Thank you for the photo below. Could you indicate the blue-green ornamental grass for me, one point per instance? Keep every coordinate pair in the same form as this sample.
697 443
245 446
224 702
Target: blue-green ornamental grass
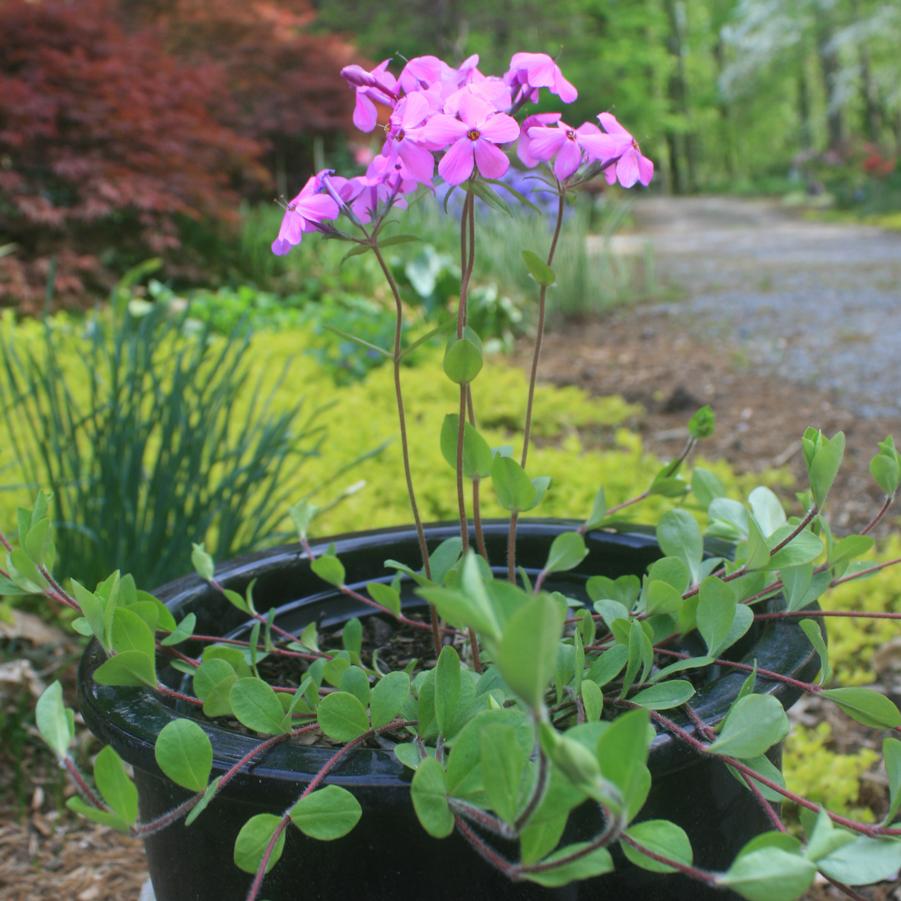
533 703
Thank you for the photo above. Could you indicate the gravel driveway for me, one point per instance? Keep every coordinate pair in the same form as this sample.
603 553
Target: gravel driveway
816 303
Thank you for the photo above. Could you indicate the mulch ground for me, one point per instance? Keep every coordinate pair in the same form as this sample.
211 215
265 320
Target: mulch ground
644 355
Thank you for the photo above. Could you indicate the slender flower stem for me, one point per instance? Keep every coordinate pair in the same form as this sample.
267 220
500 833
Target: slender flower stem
404 442
850 614
539 332
533 376
401 415
482 848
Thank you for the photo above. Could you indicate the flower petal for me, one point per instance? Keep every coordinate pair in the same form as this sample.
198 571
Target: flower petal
568 160
474 110
545 142
441 130
564 89
627 168
645 170
604 148
610 125
456 165
318 207
500 129
491 160
365 114
419 162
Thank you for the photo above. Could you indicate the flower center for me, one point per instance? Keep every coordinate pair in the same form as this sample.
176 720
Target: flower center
399 135
571 135
473 134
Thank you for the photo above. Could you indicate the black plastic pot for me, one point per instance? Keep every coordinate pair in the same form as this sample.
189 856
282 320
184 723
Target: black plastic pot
388 855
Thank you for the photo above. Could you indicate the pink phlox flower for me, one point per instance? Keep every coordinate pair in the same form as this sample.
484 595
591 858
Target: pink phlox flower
379 85
404 140
303 214
421 72
385 181
524 147
529 72
473 139
490 89
561 141
631 165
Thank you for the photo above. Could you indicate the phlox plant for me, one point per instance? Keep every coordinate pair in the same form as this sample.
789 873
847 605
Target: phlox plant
532 703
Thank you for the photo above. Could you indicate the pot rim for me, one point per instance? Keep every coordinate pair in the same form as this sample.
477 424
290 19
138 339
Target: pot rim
129 719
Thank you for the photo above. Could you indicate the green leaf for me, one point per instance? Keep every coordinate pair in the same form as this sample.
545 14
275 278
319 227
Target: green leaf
503 761
769 874
814 632
429 794
824 466
184 753
202 562
664 695
679 536
398 239
863 861
254 838
596 863
96 815
598 511
538 269
182 632
663 838
327 814
130 668
825 838
352 636
447 689
388 697
55 723
386 595
803 548
754 724
330 569
469 605
767 510
115 786
567 552
703 423
717 606
302 514
527 652
477 455
213 681
342 717
592 700
463 358
131 633
866 706
765 767
208 795
256 706
515 491
706 486
622 751
891 755
885 467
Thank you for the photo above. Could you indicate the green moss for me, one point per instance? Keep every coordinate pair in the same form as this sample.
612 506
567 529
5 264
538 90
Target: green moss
824 776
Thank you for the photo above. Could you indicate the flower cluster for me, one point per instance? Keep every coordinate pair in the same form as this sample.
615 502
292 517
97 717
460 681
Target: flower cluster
466 120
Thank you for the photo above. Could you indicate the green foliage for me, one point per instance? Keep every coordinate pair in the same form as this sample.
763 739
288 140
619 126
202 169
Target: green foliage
136 428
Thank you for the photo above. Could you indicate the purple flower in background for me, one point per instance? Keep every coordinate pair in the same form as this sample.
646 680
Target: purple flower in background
617 143
473 138
303 214
529 72
561 141
405 142
379 84
421 72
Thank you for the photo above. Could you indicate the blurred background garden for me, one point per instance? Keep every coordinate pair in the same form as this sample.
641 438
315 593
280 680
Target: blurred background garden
171 380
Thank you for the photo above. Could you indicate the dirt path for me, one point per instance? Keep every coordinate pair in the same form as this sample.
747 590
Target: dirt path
819 304
780 323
